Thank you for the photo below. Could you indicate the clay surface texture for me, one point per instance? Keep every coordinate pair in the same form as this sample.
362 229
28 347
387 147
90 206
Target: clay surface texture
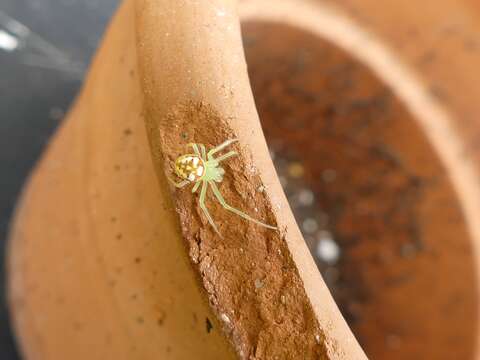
251 280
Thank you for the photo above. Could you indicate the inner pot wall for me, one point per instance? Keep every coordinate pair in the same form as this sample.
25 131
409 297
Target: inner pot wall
405 279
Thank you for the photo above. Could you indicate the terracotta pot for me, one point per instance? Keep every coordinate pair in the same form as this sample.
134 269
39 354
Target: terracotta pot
108 260
99 251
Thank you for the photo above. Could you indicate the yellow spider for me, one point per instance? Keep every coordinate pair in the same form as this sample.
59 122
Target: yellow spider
203 169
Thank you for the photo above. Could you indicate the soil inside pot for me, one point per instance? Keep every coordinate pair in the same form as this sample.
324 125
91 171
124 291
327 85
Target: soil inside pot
370 194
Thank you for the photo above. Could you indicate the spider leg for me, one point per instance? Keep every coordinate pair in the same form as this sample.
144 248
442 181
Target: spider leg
203 194
226 156
220 147
180 184
194 147
195 187
204 152
222 202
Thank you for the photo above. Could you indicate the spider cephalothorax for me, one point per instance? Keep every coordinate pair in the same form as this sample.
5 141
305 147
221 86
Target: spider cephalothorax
201 168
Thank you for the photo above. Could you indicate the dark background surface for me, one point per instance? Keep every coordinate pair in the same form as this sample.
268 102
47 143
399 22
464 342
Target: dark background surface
42 63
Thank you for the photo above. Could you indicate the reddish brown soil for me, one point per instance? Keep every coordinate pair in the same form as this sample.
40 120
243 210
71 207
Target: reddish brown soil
252 283
405 280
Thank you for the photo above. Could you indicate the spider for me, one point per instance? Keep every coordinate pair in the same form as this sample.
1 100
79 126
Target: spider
202 169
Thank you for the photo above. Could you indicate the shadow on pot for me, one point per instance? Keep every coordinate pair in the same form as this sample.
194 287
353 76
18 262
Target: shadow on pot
370 194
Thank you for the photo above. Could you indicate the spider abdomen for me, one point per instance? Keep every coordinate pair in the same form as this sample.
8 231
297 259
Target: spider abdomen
190 167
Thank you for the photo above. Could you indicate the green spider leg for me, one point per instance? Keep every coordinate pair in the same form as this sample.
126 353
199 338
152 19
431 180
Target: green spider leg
222 202
203 194
180 184
219 148
194 147
204 152
196 186
225 156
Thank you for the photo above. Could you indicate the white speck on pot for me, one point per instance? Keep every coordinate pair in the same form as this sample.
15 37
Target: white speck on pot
258 284
261 188
225 318
327 249
317 338
283 299
310 225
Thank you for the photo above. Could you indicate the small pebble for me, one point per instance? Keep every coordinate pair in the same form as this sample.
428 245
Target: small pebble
327 249
306 197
